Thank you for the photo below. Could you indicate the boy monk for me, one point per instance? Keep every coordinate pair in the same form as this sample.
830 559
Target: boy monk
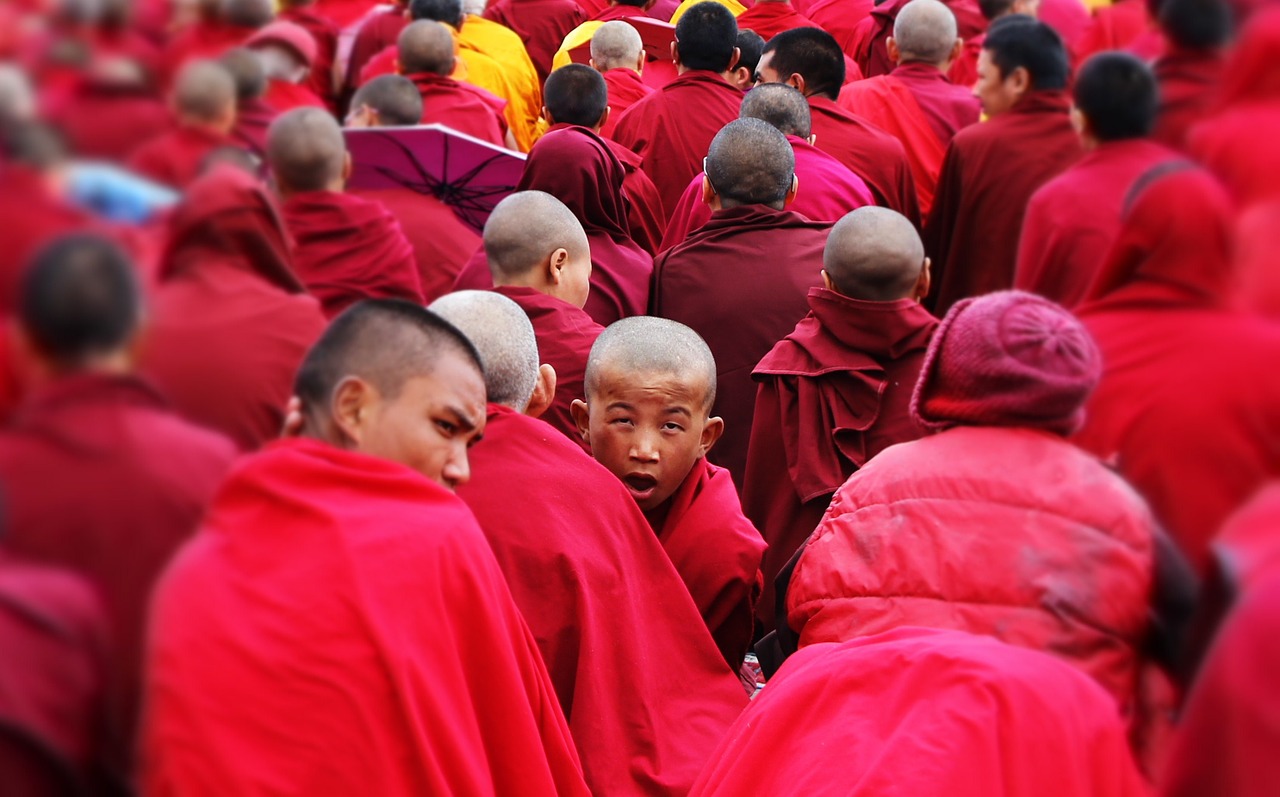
204 103
649 390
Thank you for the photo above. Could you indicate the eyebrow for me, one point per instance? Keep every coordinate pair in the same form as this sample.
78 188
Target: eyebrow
619 405
462 417
678 411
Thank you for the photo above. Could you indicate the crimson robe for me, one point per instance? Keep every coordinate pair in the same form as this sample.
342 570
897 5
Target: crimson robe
740 282
925 712
325 31
285 96
175 157
840 18
1188 83
33 216
342 13
1257 236
989 174
253 117
646 693
231 322
565 335
339 625
206 39
105 121
1116 27
1247 547
672 128
625 89
768 18
1068 17
350 249
102 478
376 34
1072 220
828 190
869 152
832 394
466 108
871 52
542 24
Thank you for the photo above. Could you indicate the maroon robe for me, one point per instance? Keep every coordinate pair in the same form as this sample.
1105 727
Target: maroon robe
832 394
625 89
870 50
840 18
350 249
768 18
1074 218
869 152
285 96
105 121
253 117
1188 85
376 34
175 158
33 216
466 108
542 24
644 690
740 282
100 477
325 32
672 128
231 321
1117 27
990 172
206 39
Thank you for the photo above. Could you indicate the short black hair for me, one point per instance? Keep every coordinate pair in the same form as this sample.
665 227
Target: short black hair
1196 24
1117 93
576 94
991 9
750 46
706 36
632 3
79 298
1021 41
447 11
811 53
395 98
750 162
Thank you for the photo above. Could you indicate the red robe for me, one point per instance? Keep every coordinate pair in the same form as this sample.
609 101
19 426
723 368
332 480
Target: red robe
285 96
1116 27
101 478
342 12
231 322
870 51
253 117
990 172
1188 83
646 694
672 128
565 335
771 17
840 18
828 190
339 625
542 24
174 158
625 89
376 34
350 249
102 121
206 39
466 108
1257 280
832 394
740 282
33 216
325 31
1068 17
1073 219
925 712
1248 547
869 152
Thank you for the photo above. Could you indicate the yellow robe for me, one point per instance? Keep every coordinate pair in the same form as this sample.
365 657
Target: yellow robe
498 62
733 5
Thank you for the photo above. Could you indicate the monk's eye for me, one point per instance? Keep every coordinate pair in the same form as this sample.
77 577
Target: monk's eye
672 427
447 428
621 421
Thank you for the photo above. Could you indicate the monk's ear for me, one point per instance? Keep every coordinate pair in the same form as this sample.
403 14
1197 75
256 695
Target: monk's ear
711 431
547 115
399 69
675 54
708 192
733 62
604 117
346 167
543 393
582 419
352 407
641 60
812 139
796 81
826 281
791 194
557 262
957 50
923 283
1019 80
891 46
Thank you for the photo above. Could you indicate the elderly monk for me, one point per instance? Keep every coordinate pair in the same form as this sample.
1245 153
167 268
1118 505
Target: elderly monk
541 24
740 281
916 102
99 476
830 189
618 53
1197 32
1073 219
991 170
809 60
204 103
349 248
836 391
600 595
253 114
442 242
671 128
288 54
297 641
651 384
232 321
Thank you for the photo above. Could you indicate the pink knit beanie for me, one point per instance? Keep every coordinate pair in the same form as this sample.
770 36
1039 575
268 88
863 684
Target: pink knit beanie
1007 359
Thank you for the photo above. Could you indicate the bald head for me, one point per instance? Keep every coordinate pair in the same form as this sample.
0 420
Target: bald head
644 345
615 45
925 30
781 106
503 335
524 229
246 13
246 69
205 93
305 151
874 254
394 99
426 46
751 163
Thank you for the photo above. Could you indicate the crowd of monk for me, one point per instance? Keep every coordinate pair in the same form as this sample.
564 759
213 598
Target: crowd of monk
850 398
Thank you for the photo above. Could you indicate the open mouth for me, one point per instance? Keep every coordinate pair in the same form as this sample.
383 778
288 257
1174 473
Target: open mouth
641 485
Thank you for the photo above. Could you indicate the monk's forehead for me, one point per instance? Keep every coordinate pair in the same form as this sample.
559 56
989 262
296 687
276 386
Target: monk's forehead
690 382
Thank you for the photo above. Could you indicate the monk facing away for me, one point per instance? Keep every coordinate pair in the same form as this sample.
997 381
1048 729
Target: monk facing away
642 684
1190 70
253 114
836 391
339 625
204 102
349 248
651 384
617 52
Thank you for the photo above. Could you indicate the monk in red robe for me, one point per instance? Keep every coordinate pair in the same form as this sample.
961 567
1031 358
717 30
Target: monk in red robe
99 475
232 321
1074 218
1189 72
618 52
221 26
741 280
349 248
840 18
1124 25
426 56
830 189
204 101
288 54
542 24
870 46
1158 307
576 166
340 624
602 605
836 391
324 31
647 417
810 60
253 115
108 111
916 711
671 128
378 32
991 170
768 18
917 103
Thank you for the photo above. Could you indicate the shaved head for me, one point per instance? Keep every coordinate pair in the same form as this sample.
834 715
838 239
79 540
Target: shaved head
524 229
925 30
615 44
204 92
644 345
246 69
781 106
751 163
246 13
393 97
426 46
503 335
874 254
305 150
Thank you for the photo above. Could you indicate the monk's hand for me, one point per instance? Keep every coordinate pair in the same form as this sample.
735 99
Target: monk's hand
293 420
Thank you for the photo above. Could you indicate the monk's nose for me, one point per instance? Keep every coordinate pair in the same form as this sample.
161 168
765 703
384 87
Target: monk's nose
457 471
644 448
